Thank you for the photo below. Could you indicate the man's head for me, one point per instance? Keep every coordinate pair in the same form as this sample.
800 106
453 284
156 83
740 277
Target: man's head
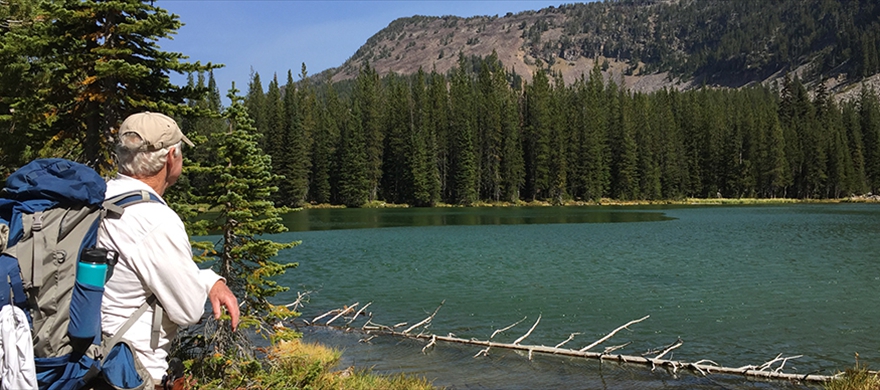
145 141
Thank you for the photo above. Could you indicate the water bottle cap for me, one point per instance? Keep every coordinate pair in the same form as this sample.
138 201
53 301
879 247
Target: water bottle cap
94 255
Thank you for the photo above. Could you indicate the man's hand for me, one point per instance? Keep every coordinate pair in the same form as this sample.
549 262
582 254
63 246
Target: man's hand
221 295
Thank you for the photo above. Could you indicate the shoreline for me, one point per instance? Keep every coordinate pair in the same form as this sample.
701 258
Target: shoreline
614 202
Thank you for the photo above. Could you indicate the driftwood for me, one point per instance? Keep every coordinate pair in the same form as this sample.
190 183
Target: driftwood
703 367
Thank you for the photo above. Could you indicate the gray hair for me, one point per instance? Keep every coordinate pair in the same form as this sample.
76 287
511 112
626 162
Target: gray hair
133 161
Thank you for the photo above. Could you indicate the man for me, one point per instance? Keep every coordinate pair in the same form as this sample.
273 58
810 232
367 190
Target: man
155 257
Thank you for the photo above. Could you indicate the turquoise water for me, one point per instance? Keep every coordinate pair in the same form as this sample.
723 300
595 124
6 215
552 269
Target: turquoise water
738 284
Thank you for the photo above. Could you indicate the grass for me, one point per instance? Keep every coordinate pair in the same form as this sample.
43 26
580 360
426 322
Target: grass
856 378
296 364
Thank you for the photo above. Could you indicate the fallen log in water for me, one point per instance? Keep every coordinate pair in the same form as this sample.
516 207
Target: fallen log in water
772 369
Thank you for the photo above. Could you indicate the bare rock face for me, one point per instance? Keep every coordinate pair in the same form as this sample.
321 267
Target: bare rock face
644 45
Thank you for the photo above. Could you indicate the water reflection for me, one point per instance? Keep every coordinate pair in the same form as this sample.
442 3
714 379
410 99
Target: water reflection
334 219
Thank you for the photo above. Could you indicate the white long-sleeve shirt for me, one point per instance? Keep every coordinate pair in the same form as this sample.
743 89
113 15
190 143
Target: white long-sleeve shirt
155 258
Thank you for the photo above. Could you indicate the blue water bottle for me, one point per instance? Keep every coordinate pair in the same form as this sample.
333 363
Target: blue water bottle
85 301
92 267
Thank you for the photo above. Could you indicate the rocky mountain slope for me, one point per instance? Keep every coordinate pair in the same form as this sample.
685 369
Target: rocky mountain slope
648 44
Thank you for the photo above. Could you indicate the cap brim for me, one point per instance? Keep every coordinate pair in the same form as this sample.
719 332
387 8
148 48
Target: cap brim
187 141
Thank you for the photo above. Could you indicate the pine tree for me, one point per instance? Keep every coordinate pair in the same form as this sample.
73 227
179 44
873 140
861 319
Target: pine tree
869 113
422 154
240 190
81 67
855 146
297 143
512 165
537 136
438 116
397 177
255 101
623 146
463 175
368 94
489 122
596 154
559 137
326 138
353 186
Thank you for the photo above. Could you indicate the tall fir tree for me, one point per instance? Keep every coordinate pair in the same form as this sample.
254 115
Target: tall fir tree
326 137
369 97
242 185
353 183
81 67
536 145
869 113
463 175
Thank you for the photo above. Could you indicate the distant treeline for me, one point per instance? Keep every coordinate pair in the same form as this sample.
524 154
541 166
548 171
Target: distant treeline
480 134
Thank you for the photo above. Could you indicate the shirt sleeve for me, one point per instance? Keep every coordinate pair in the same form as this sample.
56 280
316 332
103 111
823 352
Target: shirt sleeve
165 265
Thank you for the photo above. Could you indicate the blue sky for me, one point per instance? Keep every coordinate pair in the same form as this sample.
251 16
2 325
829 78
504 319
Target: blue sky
276 36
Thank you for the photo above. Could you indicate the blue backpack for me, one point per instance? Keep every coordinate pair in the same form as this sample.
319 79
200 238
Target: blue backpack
50 212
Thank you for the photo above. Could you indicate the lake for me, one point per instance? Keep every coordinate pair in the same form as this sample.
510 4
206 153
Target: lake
739 284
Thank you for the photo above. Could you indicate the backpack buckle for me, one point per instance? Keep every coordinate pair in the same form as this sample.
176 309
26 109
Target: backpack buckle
38 221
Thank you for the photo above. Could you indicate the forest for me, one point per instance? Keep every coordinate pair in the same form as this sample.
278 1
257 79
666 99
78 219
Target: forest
479 134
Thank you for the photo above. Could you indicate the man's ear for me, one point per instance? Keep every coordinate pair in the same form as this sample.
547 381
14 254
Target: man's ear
169 158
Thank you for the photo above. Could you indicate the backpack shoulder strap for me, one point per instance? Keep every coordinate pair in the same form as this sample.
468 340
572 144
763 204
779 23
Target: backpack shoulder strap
117 337
116 205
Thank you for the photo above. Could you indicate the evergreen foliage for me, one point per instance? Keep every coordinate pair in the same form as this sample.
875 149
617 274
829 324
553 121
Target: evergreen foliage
239 188
72 70
473 135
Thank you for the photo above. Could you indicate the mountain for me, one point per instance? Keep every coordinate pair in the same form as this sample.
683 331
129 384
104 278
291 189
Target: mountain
648 44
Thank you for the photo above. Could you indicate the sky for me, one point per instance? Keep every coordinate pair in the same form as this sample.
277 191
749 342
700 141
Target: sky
274 36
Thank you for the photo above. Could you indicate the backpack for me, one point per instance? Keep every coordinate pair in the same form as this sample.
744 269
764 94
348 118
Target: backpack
50 212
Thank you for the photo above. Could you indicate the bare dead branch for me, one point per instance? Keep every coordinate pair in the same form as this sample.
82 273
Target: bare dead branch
609 335
358 313
529 332
616 347
324 315
300 296
674 345
570 337
426 320
769 363
507 328
343 312
431 344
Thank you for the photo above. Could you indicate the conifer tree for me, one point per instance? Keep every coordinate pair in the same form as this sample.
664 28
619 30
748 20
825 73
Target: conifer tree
463 175
297 140
422 154
397 179
326 137
438 115
869 113
255 101
623 147
536 116
596 154
489 129
81 67
646 139
354 180
559 145
855 146
368 94
242 185
512 169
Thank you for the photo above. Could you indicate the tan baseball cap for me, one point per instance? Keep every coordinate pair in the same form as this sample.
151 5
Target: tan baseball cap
157 130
